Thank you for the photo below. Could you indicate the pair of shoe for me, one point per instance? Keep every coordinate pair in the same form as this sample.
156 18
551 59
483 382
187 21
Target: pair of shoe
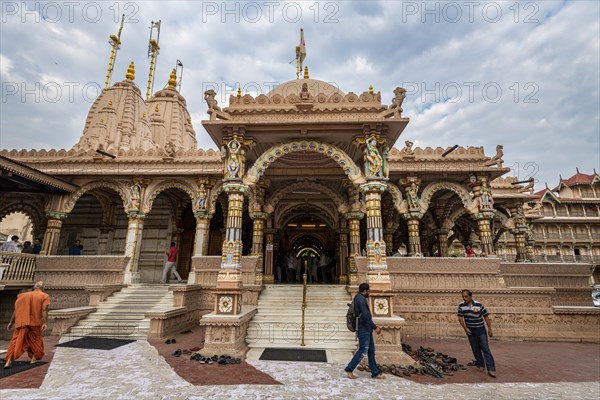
492 374
202 360
225 359
187 331
170 341
177 353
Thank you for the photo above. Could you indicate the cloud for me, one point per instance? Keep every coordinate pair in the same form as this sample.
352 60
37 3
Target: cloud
542 56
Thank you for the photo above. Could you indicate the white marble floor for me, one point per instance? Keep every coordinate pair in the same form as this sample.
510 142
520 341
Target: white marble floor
137 371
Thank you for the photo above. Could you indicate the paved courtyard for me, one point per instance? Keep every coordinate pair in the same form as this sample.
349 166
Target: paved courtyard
143 370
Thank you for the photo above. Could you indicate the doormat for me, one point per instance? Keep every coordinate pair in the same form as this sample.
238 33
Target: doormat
97 343
294 355
18 366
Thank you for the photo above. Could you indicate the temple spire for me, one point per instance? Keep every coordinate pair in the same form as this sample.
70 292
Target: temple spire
173 79
115 42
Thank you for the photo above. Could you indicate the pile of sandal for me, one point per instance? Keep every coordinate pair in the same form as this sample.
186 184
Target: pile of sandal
437 365
221 360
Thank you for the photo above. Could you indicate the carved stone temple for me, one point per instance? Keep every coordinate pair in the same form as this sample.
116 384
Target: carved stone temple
306 170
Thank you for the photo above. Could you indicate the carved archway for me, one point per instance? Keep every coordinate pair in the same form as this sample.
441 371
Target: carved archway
459 190
161 187
337 198
37 217
396 195
328 216
116 187
274 153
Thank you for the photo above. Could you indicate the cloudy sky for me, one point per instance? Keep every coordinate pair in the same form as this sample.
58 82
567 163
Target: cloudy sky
522 74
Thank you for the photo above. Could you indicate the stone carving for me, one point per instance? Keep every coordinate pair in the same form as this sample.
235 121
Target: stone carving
400 95
305 96
412 196
384 159
407 149
373 160
209 97
486 201
170 149
136 195
201 202
528 188
497 159
460 191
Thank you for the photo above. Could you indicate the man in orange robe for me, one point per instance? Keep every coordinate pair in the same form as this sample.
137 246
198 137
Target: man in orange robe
30 319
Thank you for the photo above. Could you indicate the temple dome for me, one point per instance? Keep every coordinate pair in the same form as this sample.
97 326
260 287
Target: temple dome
171 124
315 87
118 120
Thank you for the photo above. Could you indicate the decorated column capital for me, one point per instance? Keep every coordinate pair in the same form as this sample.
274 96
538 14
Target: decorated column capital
412 203
375 152
354 215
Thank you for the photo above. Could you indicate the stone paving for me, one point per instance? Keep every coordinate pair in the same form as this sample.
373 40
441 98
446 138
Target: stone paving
138 371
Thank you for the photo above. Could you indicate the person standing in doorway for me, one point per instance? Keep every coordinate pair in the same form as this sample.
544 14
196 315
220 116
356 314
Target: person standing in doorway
170 264
365 328
76 249
30 320
471 316
37 246
314 264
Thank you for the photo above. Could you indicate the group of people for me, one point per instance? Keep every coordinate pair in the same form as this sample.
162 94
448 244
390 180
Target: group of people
27 247
318 269
472 316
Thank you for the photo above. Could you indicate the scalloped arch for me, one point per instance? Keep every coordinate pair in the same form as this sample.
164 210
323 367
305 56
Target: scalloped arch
120 190
432 188
281 193
274 153
161 187
36 215
329 217
396 195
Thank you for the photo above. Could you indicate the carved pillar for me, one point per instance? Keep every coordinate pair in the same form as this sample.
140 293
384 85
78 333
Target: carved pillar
519 231
52 234
201 240
343 276
378 276
133 245
258 231
353 219
414 241
268 277
412 213
228 299
485 202
442 238
388 235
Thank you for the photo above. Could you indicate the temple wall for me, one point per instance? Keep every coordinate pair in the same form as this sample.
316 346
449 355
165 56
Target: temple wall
526 301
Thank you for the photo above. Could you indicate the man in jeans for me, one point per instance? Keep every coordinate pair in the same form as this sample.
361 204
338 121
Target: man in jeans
471 315
365 328
170 264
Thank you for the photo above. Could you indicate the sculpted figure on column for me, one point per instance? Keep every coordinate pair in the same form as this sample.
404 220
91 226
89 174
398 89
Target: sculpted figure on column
373 160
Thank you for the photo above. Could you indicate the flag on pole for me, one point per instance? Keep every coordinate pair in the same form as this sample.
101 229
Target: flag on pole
302 48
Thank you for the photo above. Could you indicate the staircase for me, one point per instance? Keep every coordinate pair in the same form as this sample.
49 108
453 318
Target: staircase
278 320
121 316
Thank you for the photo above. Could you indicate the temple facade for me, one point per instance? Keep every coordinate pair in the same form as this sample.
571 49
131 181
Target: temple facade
305 170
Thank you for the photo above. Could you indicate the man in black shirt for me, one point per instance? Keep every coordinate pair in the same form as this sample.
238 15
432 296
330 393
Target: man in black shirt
365 328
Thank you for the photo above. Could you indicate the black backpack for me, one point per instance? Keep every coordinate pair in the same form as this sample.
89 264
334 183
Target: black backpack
352 317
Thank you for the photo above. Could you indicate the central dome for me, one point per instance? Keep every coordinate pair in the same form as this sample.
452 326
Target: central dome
315 87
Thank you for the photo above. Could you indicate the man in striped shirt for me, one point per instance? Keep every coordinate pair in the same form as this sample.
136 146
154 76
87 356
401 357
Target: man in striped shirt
471 315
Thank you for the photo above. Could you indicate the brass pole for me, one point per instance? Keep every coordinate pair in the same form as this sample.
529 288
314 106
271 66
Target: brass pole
303 304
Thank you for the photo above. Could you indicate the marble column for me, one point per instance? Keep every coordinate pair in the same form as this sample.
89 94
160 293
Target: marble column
133 245
269 277
52 234
485 202
353 219
201 240
519 231
258 233
485 234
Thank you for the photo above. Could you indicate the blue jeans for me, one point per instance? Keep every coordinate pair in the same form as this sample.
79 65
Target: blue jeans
366 346
478 340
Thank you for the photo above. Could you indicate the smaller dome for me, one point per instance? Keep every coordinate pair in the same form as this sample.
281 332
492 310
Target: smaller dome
315 87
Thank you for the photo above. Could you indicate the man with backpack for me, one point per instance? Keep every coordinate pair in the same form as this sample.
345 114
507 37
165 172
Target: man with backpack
364 327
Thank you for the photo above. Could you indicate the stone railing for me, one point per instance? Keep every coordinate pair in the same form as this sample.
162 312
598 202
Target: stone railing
556 275
80 271
18 268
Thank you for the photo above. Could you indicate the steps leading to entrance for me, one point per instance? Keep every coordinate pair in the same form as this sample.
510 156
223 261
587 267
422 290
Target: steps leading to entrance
121 316
278 319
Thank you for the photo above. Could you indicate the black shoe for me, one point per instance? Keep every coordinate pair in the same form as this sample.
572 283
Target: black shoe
168 341
177 353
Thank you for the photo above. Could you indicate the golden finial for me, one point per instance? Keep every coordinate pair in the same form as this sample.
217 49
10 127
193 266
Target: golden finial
305 72
239 92
371 89
156 108
110 102
173 79
144 114
130 75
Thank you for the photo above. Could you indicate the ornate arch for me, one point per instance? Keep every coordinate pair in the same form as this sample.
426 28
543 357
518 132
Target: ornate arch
274 153
117 187
276 197
396 195
161 187
285 210
36 216
460 191
214 195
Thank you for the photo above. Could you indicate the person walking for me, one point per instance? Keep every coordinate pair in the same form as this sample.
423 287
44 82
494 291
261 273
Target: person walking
170 264
471 316
30 320
365 328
